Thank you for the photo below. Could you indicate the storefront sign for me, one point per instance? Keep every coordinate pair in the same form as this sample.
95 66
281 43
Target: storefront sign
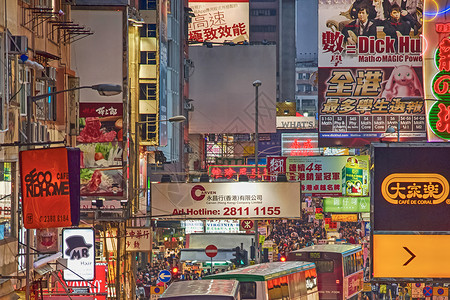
353 284
411 187
79 250
299 144
233 172
237 200
332 175
50 187
219 21
344 218
296 122
137 239
347 204
223 226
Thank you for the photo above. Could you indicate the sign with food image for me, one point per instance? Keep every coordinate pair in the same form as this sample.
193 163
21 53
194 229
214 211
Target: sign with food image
101 144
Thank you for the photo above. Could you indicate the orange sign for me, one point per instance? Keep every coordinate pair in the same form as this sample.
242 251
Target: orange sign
415 188
45 188
344 218
411 256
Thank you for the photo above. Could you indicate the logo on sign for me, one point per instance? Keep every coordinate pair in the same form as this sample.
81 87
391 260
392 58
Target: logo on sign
415 188
41 184
198 192
247 224
77 247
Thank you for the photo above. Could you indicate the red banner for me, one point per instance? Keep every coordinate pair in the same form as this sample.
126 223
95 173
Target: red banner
45 188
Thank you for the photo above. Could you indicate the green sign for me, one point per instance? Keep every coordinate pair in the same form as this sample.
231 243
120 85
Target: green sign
346 204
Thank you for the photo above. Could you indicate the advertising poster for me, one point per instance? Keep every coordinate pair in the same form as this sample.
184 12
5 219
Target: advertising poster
323 176
411 188
49 187
219 21
79 250
370 74
101 144
227 200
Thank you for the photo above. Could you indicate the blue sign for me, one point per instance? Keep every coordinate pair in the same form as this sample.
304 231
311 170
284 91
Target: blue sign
164 276
440 291
428 291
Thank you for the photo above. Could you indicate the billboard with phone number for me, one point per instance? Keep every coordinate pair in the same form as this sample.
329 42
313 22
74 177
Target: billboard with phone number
228 200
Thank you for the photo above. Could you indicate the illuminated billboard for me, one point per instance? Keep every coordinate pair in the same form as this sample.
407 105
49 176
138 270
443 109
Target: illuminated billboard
219 21
370 76
411 188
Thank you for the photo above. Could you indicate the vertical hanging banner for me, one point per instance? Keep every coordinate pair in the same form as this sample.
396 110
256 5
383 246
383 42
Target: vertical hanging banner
370 74
101 144
437 72
50 189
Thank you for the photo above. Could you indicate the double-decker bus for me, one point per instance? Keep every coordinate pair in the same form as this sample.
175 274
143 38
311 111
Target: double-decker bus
340 271
202 289
277 280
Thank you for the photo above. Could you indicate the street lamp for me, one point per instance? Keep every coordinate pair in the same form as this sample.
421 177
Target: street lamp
104 90
256 84
393 130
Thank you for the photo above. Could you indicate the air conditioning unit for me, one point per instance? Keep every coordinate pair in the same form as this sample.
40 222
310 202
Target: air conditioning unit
50 72
43 133
18 44
34 132
188 106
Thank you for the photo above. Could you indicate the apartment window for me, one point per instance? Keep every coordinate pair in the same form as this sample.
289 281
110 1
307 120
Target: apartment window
148 30
308 102
263 12
7 170
147 91
147 4
148 57
263 28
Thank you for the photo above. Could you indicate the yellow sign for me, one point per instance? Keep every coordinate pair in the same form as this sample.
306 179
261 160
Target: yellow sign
367 287
157 290
411 256
440 291
344 218
319 216
415 188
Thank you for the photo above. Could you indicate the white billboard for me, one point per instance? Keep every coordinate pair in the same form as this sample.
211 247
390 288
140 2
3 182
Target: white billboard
228 200
219 21
221 85
79 250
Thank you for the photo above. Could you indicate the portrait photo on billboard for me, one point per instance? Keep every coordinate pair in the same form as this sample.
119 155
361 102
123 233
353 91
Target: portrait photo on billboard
358 105
410 187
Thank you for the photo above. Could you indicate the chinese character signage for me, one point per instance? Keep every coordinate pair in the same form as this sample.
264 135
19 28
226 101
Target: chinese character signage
234 171
219 21
357 105
344 218
101 144
299 144
227 200
411 187
50 187
370 74
330 175
437 76
79 250
347 204
275 165
137 239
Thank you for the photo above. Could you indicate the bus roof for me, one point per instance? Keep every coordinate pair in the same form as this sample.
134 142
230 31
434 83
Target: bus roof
344 249
263 272
196 288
